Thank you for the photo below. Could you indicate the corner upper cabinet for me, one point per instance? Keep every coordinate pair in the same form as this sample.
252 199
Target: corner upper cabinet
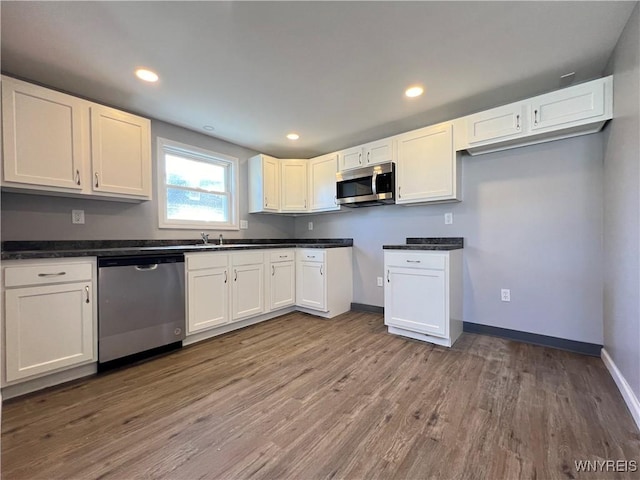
264 184
293 186
428 167
322 183
120 152
58 144
43 137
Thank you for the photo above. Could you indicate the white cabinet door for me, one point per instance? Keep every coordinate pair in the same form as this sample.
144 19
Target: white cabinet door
207 299
264 184
378 152
247 291
120 152
293 190
322 183
350 158
311 286
283 285
497 124
47 328
415 300
426 169
43 136
567 106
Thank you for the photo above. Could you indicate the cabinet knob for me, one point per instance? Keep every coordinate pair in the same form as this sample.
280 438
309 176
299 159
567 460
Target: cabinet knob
97 180
77 177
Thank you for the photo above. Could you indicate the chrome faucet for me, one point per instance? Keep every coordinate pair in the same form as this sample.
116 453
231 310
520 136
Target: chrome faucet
205 237
220 240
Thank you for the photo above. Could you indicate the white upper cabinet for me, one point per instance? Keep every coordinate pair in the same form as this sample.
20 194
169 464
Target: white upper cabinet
59 144
264 184
293 185
497 123
120 152
427 166
371 153
322 183
43 136
565 113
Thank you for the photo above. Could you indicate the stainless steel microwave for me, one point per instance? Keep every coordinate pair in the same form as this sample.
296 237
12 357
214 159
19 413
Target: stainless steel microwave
362 187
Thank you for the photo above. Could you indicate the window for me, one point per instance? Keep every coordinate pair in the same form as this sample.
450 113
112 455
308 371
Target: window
196 188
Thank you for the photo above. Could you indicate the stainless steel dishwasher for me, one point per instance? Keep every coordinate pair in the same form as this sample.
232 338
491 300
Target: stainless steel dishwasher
141 306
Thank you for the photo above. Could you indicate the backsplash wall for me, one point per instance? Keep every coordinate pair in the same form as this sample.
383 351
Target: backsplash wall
38 217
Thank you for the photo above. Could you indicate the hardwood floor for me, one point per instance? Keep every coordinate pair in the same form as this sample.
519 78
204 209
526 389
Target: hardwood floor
305 398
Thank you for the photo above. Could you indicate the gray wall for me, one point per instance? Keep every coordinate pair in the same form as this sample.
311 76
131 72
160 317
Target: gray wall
531 218
622 210
36 217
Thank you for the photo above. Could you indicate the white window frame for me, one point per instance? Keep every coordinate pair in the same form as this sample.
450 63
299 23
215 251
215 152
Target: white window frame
200 154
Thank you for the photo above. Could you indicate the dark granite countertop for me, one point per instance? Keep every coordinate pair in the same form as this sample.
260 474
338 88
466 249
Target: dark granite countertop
18 250
435 243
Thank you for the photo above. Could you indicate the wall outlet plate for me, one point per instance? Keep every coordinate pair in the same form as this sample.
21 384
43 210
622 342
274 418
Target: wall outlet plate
244 224
310 225
379 280
77 217
448 218
505 295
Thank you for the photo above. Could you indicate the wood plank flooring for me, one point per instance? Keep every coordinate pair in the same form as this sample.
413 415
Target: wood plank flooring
300 397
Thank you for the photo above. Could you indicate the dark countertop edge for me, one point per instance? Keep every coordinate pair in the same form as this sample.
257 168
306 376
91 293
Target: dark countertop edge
436 240
422 247
171 249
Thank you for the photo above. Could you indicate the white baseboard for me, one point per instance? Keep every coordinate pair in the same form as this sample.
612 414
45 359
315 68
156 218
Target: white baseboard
625 389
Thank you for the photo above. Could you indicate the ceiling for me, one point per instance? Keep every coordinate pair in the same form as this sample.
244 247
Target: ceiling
334 72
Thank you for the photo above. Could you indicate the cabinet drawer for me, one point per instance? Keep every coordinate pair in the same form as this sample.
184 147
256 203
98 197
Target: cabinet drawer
432 261
46 274
282 256
311 255
245 258
199 261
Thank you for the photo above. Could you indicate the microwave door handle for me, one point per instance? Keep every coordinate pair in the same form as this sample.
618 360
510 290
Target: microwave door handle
374 181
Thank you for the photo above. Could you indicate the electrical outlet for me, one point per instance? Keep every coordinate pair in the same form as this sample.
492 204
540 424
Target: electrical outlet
448 218
379 281
505 295
244 224
310 225
77 217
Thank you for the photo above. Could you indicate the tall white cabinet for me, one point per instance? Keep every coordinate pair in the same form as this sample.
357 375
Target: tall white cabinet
423 294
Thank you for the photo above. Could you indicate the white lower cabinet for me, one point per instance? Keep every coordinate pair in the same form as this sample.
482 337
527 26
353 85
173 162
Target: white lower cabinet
49 316
324 280
282 285
423 294
207 291
247 285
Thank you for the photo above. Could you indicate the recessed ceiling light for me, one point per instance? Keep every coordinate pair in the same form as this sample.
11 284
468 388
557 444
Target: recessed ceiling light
209 128
415 91
146 75
293 136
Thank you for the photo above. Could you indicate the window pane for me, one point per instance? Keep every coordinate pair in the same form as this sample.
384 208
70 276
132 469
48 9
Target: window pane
202 207
191 173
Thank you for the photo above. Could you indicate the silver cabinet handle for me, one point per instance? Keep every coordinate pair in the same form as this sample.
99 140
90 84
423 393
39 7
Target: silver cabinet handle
360 158
283 256
305 203
86 289
321 270
368 157
413 261
311 256
535 117
517 122
77 177
388 280
235 275
225 277
266 201
399 194
97 180
59 274
273 270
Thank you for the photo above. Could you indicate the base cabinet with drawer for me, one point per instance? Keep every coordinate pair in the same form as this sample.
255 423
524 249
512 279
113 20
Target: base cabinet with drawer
49 316
423 294
324 281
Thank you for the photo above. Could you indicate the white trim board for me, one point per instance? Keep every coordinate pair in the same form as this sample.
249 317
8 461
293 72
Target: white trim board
625 389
